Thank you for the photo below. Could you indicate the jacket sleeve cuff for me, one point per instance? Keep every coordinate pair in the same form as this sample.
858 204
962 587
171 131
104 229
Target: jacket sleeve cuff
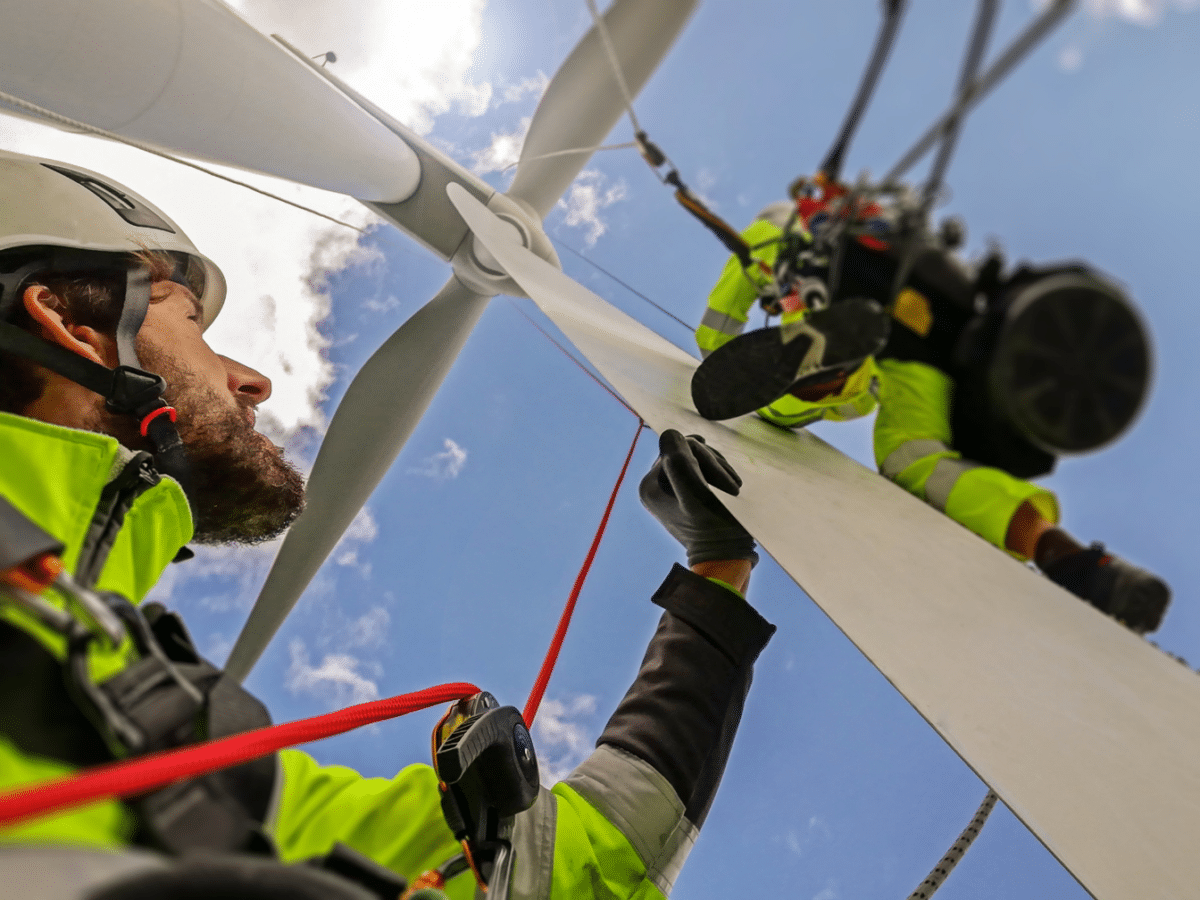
726 620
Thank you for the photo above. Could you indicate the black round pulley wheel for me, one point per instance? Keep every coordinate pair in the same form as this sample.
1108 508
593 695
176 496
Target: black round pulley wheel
1072 364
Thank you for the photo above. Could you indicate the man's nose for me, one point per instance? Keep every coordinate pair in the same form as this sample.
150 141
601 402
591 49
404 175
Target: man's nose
245 382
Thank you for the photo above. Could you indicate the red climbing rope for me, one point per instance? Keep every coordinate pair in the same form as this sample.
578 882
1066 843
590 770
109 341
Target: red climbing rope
543 678
145 773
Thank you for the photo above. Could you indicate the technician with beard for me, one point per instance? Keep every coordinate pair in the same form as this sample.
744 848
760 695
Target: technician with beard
123 437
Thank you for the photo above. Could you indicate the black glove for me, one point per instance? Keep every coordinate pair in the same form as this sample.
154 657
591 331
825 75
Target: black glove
676 491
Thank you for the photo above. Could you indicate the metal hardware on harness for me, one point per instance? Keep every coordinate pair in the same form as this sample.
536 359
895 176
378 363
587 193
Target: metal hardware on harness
91 610
147 705
29 565
485 761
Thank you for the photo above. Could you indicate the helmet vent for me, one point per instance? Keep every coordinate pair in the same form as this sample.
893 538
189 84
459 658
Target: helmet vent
128 208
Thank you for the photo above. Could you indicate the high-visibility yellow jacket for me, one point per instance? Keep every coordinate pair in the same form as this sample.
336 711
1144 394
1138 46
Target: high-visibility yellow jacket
914 445
621 825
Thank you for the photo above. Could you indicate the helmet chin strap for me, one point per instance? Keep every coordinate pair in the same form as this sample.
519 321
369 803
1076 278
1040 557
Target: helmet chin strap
128 389
156 419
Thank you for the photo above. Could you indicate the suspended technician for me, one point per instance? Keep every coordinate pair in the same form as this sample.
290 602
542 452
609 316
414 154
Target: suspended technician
983 376
123 437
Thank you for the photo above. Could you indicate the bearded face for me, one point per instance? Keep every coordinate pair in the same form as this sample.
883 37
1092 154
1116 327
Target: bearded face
243 491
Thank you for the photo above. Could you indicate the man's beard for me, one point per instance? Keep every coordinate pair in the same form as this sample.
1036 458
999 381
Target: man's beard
242 490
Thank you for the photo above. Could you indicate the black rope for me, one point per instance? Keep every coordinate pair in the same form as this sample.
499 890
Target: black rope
894 11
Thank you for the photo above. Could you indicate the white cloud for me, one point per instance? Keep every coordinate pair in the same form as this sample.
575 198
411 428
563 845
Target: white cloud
502 152
1143 12
363 530
534 84
1070 58
369 629
586 198
217 648
798 841
337 679
445 465
374 304
562 736
829 892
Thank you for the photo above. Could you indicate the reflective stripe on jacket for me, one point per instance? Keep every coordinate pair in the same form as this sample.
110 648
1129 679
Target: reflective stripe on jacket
913 447
622 823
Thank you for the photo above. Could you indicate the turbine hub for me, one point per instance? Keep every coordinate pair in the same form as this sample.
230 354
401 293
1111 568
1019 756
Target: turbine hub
478 270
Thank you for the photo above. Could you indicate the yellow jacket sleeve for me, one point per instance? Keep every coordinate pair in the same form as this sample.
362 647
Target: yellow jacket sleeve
736 290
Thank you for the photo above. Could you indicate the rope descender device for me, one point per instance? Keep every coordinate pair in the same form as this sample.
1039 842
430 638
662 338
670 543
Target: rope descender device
487 772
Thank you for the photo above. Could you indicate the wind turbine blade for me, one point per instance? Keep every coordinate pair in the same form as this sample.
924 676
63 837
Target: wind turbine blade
195 78
1086 731
584 99
968 97
385 401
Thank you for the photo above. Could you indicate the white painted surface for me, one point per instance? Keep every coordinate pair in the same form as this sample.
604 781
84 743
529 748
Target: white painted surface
192 76
1087 732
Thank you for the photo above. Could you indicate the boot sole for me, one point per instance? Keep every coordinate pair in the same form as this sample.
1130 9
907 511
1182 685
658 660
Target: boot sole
753 370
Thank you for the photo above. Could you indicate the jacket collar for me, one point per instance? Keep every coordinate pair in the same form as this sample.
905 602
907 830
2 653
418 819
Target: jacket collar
56 476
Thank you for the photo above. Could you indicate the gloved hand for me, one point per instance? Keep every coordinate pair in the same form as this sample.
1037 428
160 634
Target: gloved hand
677 493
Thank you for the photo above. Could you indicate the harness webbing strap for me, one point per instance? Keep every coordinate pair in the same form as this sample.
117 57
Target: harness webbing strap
136 776
133 314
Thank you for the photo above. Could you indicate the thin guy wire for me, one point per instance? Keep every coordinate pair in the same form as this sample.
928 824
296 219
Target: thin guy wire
626 146
623 284
567 353
51 116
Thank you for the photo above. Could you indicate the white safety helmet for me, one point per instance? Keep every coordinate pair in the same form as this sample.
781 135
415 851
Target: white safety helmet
44 203
71 220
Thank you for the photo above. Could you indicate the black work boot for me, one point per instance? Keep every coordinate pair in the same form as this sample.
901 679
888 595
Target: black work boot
755 369
1136 598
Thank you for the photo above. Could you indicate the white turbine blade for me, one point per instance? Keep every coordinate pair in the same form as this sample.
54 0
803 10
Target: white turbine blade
584 100
385 401
1086 731
195 78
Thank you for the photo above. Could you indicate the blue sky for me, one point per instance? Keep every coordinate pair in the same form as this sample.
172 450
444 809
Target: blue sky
836 787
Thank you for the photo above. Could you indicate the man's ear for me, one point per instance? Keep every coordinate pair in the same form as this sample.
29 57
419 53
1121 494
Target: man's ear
46 310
